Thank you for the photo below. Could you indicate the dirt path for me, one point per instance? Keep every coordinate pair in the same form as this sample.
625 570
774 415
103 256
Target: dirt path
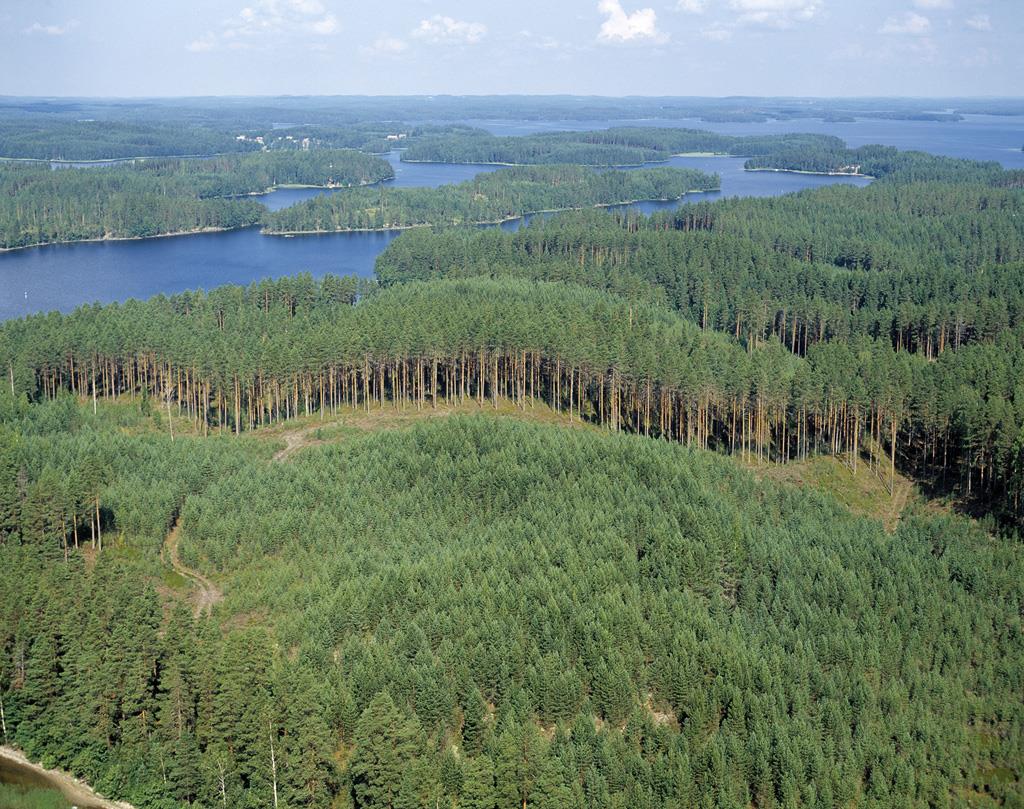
19 770
206 592
294 440
902 491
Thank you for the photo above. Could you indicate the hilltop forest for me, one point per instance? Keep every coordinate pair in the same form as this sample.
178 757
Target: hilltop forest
525 521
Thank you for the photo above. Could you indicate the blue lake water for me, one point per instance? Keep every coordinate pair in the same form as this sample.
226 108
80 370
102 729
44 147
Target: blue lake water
65 276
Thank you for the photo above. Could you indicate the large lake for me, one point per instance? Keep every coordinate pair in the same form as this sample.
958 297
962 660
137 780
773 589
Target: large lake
65 276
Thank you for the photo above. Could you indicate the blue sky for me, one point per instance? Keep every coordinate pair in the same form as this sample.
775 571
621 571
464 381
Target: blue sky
606 47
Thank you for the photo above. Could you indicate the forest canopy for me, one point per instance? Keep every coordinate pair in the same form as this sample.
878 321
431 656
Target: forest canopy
255 554
480 613
605 147
487 198
39 205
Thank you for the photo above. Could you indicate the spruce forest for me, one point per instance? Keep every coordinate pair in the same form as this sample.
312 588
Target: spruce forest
531 519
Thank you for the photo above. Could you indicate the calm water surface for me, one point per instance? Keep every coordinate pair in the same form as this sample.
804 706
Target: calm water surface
65 276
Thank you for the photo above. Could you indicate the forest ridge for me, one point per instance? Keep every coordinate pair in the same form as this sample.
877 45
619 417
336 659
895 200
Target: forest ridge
499 527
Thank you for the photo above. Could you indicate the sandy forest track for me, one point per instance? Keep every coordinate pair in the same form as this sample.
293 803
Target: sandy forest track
294 440
206 592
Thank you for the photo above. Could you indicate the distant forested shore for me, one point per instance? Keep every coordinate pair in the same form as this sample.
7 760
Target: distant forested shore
489 198
162 197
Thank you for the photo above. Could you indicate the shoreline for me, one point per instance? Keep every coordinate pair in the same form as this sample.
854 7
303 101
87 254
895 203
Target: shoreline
813 173
512 218
74 790
198 232
530 165
286 186
264 232
99 161
584 165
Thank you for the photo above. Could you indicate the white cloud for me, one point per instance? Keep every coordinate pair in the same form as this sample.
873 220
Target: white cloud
979 22
909 23
446 30
386 46
266 20
622 27
932 4
778 13
52 30
692 6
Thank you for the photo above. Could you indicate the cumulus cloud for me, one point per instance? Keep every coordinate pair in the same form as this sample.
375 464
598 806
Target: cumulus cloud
778 13
619 26
979 22
909 23
266 20
52 30
446 30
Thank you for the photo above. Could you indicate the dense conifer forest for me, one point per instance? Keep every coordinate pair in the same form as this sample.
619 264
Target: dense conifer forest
606 147
488 197
481 613
254 553
39 205
477 612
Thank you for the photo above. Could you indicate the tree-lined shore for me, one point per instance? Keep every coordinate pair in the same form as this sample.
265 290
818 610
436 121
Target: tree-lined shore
160 197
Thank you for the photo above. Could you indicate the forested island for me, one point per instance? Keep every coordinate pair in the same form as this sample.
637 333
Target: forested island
623 146
822 154
718 507
489 197
144 198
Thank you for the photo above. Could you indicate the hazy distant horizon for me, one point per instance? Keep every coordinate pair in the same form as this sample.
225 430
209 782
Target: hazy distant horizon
597 96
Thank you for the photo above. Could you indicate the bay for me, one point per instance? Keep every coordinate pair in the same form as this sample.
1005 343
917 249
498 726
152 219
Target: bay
61 277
